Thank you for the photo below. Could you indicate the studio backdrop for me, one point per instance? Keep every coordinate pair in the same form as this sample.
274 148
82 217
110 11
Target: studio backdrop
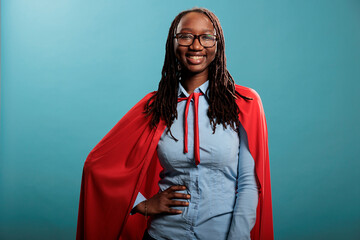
70 69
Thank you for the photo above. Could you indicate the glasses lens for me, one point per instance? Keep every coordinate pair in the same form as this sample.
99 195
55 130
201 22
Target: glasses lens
185 39
207 40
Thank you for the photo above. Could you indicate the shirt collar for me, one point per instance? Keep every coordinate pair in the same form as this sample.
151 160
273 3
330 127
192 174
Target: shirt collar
183 93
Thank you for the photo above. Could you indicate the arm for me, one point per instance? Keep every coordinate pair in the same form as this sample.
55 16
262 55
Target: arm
244 214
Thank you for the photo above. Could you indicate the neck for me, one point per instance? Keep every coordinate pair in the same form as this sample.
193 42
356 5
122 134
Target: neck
191 81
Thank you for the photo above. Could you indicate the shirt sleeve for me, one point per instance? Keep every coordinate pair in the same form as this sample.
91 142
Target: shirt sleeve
244 214
139 198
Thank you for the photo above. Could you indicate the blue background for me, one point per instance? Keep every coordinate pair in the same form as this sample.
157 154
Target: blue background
72 68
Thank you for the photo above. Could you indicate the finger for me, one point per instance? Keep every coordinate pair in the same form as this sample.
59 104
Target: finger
178 203
176 188
179 195
174 211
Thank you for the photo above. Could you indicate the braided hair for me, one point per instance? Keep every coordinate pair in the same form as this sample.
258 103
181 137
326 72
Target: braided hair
222 95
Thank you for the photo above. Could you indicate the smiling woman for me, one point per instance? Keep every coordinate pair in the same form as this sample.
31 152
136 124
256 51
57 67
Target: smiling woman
197 182
195 47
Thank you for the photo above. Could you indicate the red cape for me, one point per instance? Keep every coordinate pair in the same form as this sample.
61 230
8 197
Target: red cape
125 162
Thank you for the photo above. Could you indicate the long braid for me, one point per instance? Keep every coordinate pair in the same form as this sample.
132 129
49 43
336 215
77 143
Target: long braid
222 106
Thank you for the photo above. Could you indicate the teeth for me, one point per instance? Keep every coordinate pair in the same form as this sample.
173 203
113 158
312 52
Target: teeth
196 57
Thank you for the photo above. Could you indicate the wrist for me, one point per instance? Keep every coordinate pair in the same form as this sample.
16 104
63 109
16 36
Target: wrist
141 208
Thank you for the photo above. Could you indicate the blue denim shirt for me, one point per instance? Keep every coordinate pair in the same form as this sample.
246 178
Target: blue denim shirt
223 188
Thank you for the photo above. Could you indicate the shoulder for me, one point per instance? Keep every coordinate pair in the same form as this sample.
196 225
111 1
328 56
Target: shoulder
148 96
248 92
254 105
144 100
250 110
138 109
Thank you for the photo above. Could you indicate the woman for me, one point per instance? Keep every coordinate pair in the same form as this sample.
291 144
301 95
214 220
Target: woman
211 163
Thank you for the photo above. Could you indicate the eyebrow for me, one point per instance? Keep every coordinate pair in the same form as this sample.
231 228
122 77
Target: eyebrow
204 30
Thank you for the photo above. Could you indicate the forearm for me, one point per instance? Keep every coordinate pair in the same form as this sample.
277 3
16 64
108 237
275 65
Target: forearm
244 213
139 205
140 208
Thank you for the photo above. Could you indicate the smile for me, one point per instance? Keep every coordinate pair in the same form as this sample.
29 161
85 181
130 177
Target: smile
195 60
195 57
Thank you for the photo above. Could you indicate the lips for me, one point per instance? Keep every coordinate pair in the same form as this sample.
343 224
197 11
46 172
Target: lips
195 59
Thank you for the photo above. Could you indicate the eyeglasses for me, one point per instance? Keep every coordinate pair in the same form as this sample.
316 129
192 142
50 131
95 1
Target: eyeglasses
187 39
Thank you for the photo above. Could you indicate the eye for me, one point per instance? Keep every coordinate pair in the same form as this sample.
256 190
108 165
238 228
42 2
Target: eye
185 36
208 37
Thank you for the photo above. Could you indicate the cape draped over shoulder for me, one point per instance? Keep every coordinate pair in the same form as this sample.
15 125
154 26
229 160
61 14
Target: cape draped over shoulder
125 162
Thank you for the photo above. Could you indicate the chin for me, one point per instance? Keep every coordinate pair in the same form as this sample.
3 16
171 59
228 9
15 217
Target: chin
195 69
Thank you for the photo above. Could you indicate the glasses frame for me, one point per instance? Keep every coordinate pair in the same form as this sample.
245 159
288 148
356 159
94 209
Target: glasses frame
195 37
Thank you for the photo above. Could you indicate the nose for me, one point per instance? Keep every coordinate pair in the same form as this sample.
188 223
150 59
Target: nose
196 44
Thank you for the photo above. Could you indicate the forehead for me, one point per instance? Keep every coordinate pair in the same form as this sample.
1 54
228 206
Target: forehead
196 22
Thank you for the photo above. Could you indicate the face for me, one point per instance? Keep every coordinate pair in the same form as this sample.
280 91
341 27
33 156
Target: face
195 58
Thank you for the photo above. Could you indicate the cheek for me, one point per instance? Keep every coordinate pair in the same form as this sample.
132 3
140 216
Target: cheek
177 51
213 54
